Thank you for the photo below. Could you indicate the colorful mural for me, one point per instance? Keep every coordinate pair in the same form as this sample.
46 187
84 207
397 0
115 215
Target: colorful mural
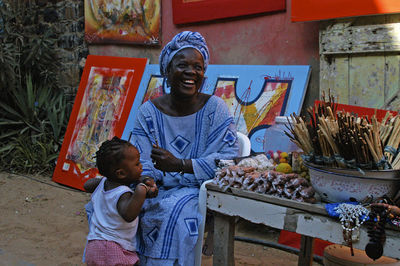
123 21
255 95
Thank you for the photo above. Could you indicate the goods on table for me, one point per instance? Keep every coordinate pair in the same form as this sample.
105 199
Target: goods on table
350 217
340 139
376 232
290 186
344 184
259 162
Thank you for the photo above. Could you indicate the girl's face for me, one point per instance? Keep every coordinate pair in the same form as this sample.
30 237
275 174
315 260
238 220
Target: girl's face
186 73
131 166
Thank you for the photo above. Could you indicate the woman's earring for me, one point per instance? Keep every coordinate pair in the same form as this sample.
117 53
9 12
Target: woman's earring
166 86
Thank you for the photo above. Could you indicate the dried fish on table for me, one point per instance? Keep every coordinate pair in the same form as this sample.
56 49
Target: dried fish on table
290 186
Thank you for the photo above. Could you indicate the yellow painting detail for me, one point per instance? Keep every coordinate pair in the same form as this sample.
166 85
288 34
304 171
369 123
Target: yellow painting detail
123 21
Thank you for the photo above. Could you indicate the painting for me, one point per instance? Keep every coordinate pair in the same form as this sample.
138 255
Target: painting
189 11
106 92
123 21
255 95
154 88
309 10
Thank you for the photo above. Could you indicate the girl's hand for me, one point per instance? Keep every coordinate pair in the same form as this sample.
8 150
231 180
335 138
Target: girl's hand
164 160
153 189
153 192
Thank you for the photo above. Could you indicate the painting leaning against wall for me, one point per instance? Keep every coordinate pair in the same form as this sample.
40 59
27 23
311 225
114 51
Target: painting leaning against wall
254 94
123 21
106 92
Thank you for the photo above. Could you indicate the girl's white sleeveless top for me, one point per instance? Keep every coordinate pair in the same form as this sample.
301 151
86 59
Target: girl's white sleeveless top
106 223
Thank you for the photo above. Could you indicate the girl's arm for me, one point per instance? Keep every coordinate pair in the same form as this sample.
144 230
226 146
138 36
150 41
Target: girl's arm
129 204
91 185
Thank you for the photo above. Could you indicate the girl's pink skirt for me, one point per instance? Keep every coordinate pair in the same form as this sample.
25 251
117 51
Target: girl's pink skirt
107 253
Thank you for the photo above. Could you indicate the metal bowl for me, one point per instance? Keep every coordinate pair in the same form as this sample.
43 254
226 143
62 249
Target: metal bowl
341 185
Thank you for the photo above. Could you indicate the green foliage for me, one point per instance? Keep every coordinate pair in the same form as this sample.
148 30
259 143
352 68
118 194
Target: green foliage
36 121
33 110
26 47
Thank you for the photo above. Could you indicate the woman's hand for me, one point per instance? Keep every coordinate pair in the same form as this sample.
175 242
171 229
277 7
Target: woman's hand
391 208
165 161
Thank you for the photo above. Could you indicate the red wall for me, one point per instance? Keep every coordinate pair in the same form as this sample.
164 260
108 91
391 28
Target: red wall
266 39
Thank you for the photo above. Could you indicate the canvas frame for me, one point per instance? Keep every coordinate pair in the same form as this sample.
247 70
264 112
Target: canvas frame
190 11
127 72
313 10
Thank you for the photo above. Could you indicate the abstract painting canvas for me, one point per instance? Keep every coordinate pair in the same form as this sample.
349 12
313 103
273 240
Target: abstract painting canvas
255 95
106 92
133 21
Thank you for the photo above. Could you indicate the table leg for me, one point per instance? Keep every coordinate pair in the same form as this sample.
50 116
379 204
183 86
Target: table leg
306 251
224 231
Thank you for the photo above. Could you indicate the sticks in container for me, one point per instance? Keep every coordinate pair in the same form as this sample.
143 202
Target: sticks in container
332 133
394 138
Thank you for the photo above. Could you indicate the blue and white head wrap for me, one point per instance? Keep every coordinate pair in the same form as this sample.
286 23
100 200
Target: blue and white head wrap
185 39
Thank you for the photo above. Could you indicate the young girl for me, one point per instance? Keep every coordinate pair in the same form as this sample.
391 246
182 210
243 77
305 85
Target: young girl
113 223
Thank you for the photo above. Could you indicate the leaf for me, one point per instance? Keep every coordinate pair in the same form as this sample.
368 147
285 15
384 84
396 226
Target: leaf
10 133
6 148
10 110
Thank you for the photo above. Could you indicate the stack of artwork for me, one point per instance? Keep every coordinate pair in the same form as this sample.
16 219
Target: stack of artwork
112 89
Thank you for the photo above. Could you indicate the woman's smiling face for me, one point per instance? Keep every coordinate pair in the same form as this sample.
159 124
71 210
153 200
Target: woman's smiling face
186 73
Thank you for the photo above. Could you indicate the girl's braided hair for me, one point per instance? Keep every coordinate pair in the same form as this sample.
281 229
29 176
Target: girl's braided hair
109 155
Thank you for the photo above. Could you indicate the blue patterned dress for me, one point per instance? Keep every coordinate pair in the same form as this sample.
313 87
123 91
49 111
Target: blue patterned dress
168 227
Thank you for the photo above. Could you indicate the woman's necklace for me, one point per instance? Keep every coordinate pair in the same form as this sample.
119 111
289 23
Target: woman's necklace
349 215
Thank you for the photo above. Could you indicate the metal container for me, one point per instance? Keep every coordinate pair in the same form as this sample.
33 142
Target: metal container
341 185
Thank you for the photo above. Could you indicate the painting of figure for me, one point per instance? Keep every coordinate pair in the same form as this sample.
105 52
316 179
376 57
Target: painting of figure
101 108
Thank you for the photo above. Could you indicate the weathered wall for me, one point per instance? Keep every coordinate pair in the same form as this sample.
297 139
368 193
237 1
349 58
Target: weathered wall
267 39
360 60
68 19
71 45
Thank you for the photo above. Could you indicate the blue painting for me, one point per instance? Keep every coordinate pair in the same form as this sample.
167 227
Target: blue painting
255 94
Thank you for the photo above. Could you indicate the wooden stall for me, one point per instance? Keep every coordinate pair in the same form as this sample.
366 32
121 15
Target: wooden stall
309 220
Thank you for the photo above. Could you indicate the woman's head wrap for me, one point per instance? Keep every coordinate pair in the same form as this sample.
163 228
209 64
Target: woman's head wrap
185 39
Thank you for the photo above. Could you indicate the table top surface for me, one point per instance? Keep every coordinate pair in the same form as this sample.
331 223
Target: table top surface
317 208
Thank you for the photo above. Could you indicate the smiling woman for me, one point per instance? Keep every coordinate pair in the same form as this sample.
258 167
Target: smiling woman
184 76
179 136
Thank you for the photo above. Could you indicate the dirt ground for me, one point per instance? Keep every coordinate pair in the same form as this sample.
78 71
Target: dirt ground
44 223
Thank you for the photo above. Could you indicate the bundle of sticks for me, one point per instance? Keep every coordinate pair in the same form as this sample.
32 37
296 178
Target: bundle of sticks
342 139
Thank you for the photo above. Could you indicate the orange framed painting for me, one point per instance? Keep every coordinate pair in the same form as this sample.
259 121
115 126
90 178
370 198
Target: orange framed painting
110 21
189 11
106 92
309 10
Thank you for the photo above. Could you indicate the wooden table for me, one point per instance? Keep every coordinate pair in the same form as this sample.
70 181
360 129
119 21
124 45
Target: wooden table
309 220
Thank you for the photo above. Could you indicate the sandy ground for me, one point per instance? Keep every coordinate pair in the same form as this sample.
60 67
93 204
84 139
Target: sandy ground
44 223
